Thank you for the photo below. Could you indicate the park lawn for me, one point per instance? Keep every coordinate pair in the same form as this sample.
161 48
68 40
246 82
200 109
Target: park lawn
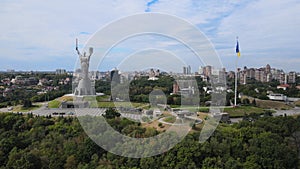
20 108
155 124
186 107
242 110
89 98
92 101
65 98
174 106
57 102
198 127
170 119
268 104
297 103
204 109
202 115
120 104
93 104
103 98
54 104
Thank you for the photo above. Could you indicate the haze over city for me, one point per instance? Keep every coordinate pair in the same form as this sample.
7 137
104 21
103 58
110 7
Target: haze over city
41 36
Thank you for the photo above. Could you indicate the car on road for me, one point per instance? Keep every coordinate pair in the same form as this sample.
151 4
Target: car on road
70 113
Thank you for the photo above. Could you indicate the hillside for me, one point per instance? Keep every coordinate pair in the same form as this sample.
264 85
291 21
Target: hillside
45 142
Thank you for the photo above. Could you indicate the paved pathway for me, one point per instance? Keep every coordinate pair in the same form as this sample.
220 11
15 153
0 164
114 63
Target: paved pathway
44 111
291 112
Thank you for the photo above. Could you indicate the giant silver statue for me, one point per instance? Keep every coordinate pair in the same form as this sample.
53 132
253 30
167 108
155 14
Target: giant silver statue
84 86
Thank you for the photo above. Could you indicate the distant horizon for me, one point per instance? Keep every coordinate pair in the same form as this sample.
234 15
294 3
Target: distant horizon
69 70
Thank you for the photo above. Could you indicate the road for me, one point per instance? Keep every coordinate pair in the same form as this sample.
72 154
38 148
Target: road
44 111
291 112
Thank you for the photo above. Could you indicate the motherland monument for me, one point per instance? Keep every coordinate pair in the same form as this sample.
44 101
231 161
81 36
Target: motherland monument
84 86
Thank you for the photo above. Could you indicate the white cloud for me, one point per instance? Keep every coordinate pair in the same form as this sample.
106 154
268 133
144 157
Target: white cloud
45 31
51 27
197 12
266 29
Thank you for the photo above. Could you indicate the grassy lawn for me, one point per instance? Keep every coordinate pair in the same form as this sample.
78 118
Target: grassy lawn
240 111
297 103
186 107
93 103
146 119
65 98
20 108
268 104
155 125
174 106
122 104
170 119
89 98
57 102
103 98
202 115
54 104
204 109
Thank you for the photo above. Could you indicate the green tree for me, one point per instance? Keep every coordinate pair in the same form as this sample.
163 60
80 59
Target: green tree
111 113
27 103
71 162
21 159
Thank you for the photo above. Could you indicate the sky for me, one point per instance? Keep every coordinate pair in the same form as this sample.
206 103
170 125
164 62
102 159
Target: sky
40 35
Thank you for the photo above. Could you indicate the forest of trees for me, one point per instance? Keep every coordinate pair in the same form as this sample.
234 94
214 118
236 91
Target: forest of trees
141 87
27 141
263 88
22 94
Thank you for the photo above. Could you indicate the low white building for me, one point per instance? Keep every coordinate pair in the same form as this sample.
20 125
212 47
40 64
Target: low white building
277 97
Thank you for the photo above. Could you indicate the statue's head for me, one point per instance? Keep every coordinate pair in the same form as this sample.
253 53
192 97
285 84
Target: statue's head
84 53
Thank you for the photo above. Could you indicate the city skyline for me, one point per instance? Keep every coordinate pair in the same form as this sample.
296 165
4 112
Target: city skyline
186 70
41 37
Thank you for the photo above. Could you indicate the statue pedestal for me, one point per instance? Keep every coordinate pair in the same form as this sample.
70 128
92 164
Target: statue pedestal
85 87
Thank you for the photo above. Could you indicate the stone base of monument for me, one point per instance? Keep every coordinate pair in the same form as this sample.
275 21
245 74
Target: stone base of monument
75 104
223 117
85 87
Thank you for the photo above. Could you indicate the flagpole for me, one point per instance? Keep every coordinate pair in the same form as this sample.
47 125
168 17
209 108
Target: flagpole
235 80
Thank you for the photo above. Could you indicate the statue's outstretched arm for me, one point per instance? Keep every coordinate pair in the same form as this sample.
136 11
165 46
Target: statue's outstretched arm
90 52
77 47
78 51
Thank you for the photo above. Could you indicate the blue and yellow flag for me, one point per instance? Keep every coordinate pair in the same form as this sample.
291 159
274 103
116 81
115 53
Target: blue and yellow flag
237 50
